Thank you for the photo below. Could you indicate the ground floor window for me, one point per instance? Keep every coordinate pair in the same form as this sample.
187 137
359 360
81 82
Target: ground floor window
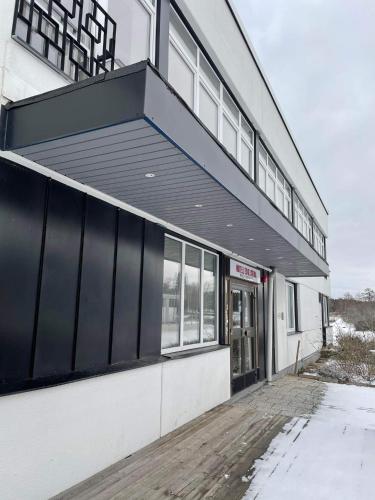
190 296
325 311
291 312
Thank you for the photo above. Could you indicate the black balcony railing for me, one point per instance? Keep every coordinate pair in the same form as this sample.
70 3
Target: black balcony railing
76 36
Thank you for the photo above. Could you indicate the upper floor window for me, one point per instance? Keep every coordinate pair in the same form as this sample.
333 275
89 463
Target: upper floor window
190 296
291 313
319 242
136 26
198 84
273 183
302 219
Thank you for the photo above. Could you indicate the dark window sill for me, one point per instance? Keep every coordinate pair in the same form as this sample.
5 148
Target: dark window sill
295 332
194 352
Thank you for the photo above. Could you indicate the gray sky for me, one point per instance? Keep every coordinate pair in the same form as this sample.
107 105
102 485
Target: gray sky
319 56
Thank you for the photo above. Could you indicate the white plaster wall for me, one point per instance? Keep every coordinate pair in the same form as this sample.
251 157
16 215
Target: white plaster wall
52 438
226 46
310 323
322 285
192 386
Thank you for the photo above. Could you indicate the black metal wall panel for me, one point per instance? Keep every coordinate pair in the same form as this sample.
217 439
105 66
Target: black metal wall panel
22 207
95 296
57 305
152 290
127 288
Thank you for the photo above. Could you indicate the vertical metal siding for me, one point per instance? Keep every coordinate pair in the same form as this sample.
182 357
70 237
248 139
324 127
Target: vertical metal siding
151 295
22 199
57 305
127 288
80 280
94 317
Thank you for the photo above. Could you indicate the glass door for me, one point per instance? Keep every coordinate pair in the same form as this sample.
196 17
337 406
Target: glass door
243 336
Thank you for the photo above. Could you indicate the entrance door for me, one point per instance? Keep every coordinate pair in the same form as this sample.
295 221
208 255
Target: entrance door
243 333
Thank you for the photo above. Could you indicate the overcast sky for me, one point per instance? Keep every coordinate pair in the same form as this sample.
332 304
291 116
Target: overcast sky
319 56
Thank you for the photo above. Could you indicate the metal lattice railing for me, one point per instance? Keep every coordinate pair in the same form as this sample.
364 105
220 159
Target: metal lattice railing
76 36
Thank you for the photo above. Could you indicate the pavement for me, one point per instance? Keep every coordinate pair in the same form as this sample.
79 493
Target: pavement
329 455
214 455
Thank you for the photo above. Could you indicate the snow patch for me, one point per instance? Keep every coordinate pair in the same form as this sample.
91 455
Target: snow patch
330 455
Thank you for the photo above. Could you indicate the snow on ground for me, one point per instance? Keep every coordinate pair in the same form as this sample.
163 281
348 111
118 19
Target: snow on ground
329 456
341 327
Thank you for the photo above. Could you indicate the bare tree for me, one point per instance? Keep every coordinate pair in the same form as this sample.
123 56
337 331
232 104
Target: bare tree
368 295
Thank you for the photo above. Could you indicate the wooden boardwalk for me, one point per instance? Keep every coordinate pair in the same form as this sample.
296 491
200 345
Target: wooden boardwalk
210 457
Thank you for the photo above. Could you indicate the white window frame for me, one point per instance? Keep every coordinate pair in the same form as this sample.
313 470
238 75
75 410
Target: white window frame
249 144
325 315
271 176
151 9
319 241
293 287
201 343
199 78
303 220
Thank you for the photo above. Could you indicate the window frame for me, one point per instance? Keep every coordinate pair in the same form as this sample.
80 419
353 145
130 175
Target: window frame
201 343
293 286
200 79
319 241
151 9
301 213
274 177
278 178
325 311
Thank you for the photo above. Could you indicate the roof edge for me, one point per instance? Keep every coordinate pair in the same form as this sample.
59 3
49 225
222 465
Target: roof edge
258 64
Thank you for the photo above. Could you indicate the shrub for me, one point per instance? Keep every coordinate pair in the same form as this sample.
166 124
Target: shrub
354 356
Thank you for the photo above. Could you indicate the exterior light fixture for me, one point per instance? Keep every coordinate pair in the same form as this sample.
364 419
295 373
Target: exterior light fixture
229 225
251 239
150 175
198 205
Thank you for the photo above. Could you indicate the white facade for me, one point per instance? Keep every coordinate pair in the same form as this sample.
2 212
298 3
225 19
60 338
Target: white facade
222 39
309 320
23 74
56 437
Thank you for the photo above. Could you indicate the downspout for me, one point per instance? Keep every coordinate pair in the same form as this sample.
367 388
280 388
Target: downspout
270 326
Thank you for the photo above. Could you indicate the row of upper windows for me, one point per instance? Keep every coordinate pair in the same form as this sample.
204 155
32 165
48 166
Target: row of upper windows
192 76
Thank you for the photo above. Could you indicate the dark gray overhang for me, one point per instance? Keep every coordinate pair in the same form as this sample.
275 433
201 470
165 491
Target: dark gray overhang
111 130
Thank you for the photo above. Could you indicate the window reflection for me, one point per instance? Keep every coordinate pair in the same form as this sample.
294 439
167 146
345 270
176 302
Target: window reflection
192 295
171 294
189 315
209 298
237 309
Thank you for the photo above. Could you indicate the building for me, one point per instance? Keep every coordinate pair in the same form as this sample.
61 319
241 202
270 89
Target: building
162 245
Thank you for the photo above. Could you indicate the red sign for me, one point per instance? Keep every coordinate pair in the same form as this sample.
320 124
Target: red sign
244 272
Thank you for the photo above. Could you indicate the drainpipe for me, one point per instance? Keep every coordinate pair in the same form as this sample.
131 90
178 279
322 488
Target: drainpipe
270 327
